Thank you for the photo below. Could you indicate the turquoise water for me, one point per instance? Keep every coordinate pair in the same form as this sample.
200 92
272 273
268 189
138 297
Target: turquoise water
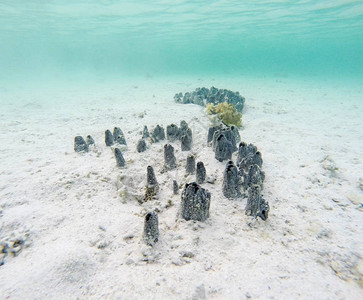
59 39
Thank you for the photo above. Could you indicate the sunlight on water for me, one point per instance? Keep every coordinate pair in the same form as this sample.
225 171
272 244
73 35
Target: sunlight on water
53 39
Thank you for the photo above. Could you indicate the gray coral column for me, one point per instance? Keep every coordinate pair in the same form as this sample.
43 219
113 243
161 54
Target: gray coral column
201 173
151 228
169 157
231 181
119 158
152 186
80 144
195 202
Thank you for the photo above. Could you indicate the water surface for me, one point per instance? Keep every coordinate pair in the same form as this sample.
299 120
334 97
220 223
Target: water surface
58 40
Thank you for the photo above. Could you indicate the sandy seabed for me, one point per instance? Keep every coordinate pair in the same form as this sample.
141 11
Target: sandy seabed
81 226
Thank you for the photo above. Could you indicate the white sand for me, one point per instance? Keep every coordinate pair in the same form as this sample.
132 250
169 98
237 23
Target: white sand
83 240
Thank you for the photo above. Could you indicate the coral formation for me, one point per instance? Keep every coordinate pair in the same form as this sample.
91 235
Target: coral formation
190 167
118 136
169 157
172 132
223 148
246 173
231 181
249 162
226 113
248 155
201 173
141 145
145 132
211 132
90 140
228 134
151 228
175 187
195 202
185 136
236 134
184 128
108 138
186 142
80 144
253 176
120 161
158 133
224 142
256 205
152 186
203 96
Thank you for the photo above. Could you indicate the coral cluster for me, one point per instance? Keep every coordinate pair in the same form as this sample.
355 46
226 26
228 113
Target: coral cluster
223 142
249 162
118 136
242 179
81 145
158 133
203 96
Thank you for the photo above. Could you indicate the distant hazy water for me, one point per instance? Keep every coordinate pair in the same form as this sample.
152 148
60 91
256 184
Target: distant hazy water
60 39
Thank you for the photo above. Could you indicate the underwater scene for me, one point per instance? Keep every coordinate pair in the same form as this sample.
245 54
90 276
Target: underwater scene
181 149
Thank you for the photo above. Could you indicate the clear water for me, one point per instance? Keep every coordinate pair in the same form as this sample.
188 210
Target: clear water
62 39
